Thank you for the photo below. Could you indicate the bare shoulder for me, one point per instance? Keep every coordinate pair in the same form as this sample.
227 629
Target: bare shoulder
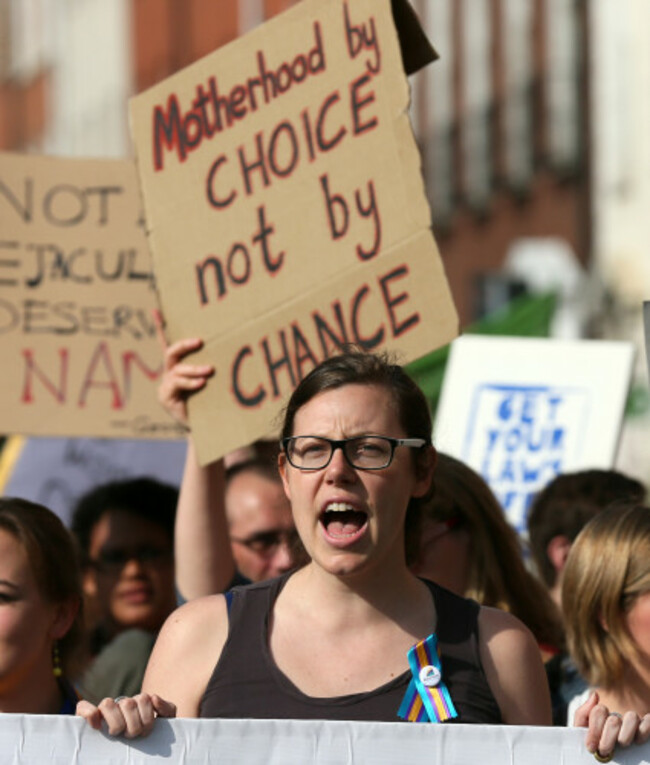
186 652
502 628
513 666
205 611
506 643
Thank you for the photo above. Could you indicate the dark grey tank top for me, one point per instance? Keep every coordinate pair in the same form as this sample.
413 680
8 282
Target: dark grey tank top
246 683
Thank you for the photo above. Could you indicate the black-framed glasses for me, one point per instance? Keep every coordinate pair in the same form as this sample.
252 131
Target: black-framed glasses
361 452
267 542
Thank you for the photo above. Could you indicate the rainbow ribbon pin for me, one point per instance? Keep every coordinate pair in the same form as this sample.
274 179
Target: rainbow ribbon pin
427 698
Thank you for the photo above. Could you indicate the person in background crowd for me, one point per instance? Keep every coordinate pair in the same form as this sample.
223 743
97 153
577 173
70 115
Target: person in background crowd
41 623
125 533
232 525
261 530
466 545
562 508
356 463
606 602
557 515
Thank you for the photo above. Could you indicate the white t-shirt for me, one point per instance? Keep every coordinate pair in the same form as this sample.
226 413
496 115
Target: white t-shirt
575 703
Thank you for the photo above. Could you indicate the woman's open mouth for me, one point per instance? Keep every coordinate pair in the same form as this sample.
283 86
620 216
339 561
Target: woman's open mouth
342 522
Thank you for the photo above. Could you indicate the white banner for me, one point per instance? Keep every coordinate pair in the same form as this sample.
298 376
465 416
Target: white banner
70 741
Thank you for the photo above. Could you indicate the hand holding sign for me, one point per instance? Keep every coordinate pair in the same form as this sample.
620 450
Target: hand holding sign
129 716
179 379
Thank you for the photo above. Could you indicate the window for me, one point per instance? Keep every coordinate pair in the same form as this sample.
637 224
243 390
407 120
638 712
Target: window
477 93
561 86
517 107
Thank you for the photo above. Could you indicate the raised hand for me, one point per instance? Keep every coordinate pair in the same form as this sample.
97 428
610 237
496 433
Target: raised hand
179 379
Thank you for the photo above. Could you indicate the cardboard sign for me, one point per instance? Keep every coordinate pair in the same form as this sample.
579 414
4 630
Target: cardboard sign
78 342
286 210
36 739
520 411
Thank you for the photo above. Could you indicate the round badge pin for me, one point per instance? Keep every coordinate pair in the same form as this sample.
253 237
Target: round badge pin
430 676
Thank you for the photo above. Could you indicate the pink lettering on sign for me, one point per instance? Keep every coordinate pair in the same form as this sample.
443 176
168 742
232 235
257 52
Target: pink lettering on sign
107 376
212 111
287 355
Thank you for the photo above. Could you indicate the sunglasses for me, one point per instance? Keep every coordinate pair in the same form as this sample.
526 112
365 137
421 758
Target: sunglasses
115 559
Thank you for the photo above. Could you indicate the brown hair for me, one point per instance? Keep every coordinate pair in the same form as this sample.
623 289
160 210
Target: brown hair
607 569
53 558
143 497
567 503
498 576
353 367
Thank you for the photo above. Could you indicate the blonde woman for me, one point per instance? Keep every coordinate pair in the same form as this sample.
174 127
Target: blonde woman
606 603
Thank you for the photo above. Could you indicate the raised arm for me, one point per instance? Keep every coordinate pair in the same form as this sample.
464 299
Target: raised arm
204 562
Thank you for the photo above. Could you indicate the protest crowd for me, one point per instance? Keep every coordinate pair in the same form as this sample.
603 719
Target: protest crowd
345 569
363 518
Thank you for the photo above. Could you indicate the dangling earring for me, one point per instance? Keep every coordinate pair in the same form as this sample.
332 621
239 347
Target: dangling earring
57 669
